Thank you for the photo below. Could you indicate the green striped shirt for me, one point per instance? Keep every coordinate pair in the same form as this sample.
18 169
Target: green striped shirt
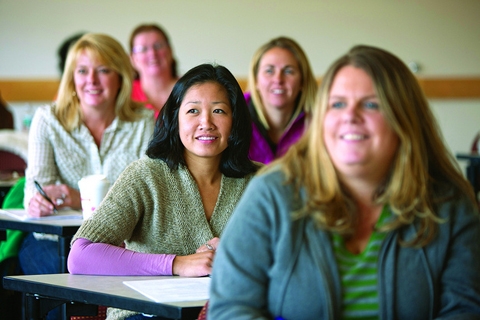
359 275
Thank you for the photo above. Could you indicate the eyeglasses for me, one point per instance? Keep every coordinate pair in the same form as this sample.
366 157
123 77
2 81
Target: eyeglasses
157 46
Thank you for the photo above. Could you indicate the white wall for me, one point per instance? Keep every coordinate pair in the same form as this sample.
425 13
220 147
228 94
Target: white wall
441 35
459 121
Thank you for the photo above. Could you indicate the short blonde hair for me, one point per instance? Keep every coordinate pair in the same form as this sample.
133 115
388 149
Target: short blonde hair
111 53
423 172
308 90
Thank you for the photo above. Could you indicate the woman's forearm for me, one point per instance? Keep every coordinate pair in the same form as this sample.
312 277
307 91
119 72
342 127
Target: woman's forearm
88 257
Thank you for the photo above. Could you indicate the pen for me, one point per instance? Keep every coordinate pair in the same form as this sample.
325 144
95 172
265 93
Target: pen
44 195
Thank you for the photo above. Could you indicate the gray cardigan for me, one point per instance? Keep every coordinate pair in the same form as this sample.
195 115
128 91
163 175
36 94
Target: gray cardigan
268 265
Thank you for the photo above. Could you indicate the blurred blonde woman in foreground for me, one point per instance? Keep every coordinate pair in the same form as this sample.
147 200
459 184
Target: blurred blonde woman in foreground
367 217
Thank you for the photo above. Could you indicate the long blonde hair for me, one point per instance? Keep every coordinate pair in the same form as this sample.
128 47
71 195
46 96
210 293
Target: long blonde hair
109 52
306 99
423 171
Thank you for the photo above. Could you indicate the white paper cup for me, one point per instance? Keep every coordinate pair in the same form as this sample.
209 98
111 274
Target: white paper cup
92 191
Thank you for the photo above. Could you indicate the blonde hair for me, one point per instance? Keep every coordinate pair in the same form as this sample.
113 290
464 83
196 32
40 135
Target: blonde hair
110 53
423 172
306 99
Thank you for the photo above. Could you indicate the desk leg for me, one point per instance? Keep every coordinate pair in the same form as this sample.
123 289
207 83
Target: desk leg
473 175
37 307
63 250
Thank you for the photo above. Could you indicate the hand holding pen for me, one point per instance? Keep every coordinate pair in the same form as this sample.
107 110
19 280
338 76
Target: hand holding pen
45 196
57 196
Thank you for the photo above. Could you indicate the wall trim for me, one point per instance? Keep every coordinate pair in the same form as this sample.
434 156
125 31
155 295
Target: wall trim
450 88
31 90
28 90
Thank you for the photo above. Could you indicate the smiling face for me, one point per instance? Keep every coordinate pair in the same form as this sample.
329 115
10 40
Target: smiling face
151 54
205 121
357 136
96 85
278 79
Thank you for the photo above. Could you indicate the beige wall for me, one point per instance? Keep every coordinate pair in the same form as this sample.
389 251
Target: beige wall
441 35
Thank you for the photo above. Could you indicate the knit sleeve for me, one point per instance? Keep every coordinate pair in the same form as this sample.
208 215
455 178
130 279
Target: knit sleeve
41 160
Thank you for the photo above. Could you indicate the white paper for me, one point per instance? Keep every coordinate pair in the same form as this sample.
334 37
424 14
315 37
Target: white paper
173 290
21 214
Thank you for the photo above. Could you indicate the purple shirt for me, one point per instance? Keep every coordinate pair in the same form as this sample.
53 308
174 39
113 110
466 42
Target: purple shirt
260 149
113 260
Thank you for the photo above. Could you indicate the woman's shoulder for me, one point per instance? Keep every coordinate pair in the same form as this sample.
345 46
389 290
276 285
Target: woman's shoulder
144 118
249 176
457 206
271 173
146 114
143 115
45 119
148 164
272 179
45 111
150 171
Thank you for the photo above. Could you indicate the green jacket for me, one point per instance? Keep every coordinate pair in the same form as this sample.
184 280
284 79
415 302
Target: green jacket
13 200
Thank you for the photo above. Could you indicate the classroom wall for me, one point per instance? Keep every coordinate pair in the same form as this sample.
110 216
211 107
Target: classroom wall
442 36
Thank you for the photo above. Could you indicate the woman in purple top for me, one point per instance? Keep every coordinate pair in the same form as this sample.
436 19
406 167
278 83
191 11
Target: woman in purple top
282 93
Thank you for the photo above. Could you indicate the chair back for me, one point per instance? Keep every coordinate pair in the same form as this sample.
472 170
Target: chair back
11 162
13 153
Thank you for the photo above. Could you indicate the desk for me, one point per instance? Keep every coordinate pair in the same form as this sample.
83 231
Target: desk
473 170
64 228
95 290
